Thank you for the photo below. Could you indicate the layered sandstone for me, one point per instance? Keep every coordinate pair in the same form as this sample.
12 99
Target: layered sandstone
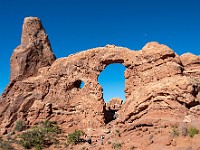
162 89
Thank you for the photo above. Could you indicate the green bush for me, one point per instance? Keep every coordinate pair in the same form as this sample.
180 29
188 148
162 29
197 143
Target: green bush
33 138
19 126
117 146
50 127
74 137
192 131
174 132
39 136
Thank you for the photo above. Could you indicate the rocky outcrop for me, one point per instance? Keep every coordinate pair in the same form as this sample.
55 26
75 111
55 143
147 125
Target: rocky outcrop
162 89
171 99
191 64
33 53
114 104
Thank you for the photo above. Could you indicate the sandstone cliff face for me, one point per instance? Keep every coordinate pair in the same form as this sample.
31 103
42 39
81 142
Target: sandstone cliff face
33 53
161 88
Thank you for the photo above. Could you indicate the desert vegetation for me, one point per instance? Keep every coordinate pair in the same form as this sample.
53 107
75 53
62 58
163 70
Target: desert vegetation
192 131
5 145
75 137
39 136
19 126
117 145
184 131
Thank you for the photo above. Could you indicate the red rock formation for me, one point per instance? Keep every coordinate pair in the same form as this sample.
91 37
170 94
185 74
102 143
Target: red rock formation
191 65
162 89
33 53
114 104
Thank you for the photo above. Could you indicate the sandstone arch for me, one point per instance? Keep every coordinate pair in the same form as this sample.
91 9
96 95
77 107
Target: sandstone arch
49 91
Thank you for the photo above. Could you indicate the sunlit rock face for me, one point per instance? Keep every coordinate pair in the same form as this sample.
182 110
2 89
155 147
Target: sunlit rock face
33 53
161 87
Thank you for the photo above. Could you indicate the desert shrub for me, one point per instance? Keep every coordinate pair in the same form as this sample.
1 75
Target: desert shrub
5 145
117 146
192 131
184 131
74 137
50 127
33 138
39 136
174 132
19 126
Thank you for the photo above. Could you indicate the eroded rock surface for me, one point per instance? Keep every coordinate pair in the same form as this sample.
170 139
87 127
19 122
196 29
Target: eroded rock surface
33 53
114 104
162 89
191 64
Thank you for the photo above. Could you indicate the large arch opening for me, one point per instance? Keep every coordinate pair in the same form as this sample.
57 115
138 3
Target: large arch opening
112 81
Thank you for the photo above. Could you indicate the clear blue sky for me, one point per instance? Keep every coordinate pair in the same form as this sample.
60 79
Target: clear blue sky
75 25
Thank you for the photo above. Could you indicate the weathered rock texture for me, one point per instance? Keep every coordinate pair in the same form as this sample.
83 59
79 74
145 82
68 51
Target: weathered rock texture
33 53
162 89
114 104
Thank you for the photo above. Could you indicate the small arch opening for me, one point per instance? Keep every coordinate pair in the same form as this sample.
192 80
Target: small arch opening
79 84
